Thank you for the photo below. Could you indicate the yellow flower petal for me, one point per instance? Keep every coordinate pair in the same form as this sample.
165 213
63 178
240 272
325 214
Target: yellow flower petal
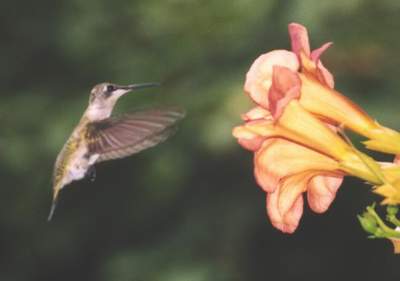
390 192
384 140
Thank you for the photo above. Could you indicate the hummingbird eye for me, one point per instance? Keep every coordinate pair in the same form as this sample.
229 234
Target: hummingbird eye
110 88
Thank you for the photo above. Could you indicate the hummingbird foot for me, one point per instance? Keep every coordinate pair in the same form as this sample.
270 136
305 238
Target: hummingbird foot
91 173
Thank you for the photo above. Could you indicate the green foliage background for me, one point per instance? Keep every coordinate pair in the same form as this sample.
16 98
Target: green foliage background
189 209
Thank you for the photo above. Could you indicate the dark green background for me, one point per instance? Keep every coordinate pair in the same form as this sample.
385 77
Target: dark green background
189 209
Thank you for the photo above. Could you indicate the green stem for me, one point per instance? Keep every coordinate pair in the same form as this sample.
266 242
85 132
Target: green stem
394 220
389 232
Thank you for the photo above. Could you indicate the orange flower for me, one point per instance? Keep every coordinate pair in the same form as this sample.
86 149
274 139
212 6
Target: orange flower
249 140
310 62
259 77
279 76
295 154
285 170
293 133
299 126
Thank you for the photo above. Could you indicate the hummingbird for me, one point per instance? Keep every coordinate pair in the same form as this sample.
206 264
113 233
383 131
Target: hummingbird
99 137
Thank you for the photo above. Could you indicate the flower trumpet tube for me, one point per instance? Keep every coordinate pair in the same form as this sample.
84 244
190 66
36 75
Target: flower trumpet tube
334 107
289 158
299 126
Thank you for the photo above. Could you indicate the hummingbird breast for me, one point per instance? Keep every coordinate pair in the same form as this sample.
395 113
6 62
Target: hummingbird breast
79 164
73 161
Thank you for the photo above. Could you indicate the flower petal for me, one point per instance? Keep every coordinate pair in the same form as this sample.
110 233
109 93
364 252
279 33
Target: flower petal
267 180
332 105
259 77
322 190
290 189
389 192
285 204
309 60
257 113
310 131
252 144
325 76
289 222
299 39
248 139
316 54
279 158
286 86
322 73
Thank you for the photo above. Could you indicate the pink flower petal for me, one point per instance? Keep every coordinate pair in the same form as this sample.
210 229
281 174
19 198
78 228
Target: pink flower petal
293 216
315 54
253 144
300 44
325 76
259 77
288 222
257 113
290 189
299 39
322 191
323 73
248 139
286 86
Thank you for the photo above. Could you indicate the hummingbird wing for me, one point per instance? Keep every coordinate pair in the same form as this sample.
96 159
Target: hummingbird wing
118 137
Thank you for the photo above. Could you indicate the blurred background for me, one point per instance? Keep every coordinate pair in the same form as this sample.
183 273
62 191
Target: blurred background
189 209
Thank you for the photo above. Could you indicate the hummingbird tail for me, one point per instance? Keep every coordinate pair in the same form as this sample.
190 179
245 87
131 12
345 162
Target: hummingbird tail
53 204
52 209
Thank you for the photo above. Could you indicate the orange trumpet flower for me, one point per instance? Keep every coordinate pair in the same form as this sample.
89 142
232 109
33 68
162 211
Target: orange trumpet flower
293 132
312 85
294 155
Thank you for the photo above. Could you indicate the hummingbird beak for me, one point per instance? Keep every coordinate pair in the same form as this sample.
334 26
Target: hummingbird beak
122 90
139 86
53 204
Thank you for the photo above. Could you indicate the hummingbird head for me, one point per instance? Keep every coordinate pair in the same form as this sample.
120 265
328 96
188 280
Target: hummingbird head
104 96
